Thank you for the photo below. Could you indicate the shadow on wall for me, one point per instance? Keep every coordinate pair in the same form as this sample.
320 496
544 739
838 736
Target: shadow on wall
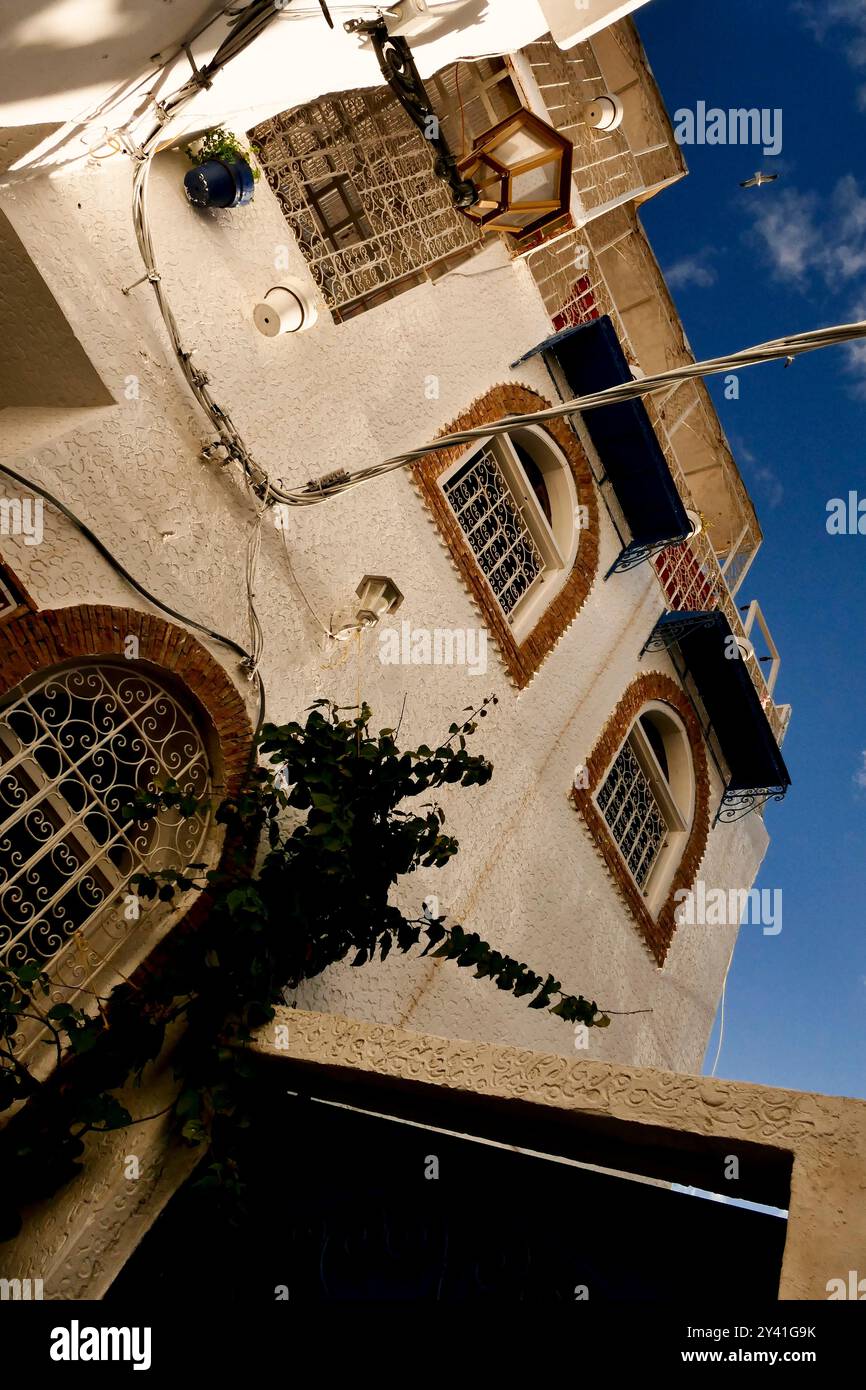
18 140
42 363
52 47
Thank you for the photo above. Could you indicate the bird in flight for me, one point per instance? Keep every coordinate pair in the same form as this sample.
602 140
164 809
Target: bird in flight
757 179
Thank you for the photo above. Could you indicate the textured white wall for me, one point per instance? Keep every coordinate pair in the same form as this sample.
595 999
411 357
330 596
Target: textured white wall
88 62
527 875
41 361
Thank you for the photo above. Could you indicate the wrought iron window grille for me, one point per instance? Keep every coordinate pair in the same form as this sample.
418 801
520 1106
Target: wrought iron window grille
74 750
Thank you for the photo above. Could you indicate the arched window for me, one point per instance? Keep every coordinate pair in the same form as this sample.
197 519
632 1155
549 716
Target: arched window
519 514
644 794
515 501
647 800
75 748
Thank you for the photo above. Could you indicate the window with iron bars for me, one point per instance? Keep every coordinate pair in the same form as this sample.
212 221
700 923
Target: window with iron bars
495 527
75 749
354 178
633 815
638 804
514 500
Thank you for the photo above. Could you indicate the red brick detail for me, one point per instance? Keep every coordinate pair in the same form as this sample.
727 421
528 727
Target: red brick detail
657 931
35 641
13 584
521 659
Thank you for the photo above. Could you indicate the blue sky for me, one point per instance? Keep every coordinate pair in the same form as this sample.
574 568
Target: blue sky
746 265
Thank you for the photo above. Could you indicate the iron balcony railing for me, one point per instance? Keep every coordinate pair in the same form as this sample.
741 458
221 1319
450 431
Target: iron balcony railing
690 574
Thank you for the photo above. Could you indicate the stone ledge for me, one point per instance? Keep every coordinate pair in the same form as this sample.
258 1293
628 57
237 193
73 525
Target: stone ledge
666 1124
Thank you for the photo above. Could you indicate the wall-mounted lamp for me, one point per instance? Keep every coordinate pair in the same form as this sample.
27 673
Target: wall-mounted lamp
379 596
604 112
286 308
522 170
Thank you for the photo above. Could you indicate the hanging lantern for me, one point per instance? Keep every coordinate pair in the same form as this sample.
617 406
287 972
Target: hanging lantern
522 170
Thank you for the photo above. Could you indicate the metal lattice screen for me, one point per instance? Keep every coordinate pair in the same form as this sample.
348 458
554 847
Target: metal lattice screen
634 816
74 751
491 520
355 181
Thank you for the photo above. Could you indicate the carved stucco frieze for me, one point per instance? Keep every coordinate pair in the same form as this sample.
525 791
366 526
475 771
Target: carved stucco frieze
79 1241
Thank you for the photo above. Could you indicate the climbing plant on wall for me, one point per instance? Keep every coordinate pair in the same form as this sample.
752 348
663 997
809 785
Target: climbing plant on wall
330 818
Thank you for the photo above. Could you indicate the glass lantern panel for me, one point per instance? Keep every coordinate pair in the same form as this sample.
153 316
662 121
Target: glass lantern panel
519 147
539 185
515 218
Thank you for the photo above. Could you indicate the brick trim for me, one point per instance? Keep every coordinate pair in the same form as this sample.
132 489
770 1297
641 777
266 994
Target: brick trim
522 659
34 641
26 604
657 931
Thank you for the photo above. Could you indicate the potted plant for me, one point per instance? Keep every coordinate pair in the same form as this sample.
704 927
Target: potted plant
225 172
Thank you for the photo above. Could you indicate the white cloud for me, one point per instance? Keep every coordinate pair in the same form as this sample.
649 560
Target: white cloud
765 477
692 270
805 238
835 19
785 228
819 244
772 484
843 24
860 774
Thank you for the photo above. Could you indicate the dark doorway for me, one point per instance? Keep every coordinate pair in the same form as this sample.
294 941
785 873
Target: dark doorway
341 1207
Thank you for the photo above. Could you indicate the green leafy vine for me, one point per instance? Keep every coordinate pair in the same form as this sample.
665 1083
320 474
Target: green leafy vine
329 819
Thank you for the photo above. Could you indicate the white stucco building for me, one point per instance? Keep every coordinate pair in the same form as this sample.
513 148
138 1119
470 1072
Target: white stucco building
589 570
418 330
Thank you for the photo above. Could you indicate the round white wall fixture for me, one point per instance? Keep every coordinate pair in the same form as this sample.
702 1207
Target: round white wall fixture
286 308
605 112
695 521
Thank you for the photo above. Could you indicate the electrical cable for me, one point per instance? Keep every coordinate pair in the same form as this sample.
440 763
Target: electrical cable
254 545
281 527
722 1011
473 274
247 660
249 24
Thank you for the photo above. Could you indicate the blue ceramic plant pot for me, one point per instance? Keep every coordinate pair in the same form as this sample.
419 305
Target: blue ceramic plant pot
219 184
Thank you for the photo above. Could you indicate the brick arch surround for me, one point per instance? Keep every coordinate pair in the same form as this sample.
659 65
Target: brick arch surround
39 640
522 659
657 931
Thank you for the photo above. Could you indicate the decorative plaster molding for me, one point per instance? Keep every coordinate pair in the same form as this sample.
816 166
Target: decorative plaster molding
79 1240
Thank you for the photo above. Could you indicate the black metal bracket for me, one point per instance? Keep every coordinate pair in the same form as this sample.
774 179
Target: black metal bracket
736 805
674 625
635 554
397 65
